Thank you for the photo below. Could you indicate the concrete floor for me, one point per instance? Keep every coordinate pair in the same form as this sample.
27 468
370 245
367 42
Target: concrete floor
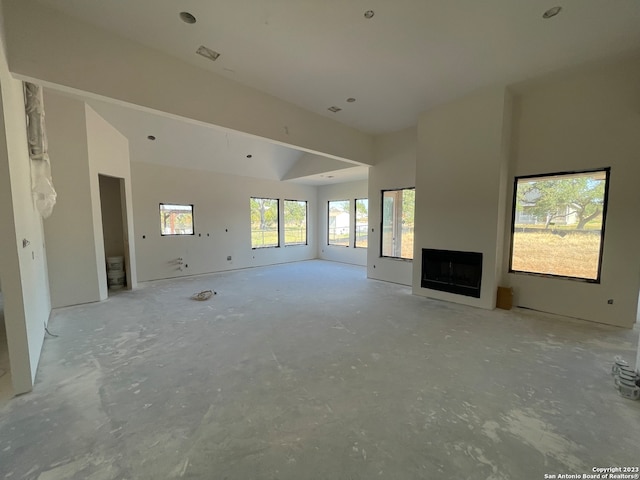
311 371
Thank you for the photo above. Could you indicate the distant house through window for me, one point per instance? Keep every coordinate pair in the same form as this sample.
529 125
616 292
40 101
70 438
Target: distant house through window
362 223
339 223
265 228
176 219
295 222
558 224
398 207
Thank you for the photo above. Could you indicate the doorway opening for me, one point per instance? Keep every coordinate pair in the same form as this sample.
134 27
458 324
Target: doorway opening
112 204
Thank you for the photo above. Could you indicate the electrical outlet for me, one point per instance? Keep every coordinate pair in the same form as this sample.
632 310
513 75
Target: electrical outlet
610 301
229 258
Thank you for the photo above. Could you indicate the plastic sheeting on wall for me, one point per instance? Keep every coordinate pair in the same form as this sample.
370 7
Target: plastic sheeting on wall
41 182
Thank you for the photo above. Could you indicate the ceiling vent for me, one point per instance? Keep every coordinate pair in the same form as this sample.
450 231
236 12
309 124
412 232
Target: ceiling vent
334 109
552 12
207 53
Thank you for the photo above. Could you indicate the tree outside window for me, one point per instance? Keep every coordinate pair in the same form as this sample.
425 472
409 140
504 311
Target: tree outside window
176 219
558 224
295 222
362 223
265 230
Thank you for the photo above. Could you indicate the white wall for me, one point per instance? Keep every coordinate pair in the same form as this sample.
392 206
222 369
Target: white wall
310 164
23 270
638 358
583 121
73 272
460 186
340 191
132 73
82 145
221 221
108 153
395 167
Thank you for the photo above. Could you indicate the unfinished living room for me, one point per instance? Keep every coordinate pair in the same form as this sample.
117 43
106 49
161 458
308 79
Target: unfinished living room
283 240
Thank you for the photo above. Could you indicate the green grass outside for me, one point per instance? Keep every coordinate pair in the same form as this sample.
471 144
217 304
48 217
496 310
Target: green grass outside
269 238
593 225
544 252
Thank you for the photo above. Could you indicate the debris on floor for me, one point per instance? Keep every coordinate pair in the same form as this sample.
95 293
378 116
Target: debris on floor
625 379
203 295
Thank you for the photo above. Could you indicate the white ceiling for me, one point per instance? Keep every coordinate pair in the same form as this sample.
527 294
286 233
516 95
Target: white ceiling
412 55
205 147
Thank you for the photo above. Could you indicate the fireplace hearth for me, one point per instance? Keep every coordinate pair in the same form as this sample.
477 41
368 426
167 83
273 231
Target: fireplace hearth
452 271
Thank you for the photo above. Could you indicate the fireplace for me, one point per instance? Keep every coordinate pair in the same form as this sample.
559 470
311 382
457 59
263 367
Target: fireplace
451 271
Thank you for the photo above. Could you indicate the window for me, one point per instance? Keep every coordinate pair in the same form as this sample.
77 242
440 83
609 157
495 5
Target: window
339 223
176 219
398 207
362 223
295 222
265 229
558 224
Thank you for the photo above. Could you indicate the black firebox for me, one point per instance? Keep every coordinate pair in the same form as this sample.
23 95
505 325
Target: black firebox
451 271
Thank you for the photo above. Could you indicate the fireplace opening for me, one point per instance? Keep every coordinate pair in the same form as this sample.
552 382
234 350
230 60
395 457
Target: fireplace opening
452 271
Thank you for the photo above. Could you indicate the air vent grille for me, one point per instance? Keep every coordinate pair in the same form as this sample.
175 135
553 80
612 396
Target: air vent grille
207 53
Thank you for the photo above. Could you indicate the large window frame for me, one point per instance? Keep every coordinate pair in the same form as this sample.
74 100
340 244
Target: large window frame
262 221
305 240
397 230
340 227
360 229
560 231
174 213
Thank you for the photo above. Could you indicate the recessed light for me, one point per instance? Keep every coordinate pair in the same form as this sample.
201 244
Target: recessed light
552 12
369 14
186 17
207 53
151 137
351 99
334 109
249 156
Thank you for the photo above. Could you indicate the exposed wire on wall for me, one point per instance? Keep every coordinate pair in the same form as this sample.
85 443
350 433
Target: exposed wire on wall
46 329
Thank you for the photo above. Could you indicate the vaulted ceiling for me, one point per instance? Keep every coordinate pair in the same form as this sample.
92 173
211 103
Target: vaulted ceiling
409 56
163 140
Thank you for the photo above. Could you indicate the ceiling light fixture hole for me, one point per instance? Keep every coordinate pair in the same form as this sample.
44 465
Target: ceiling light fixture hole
151 137
351 99
552 12
186 17
369 14
249 156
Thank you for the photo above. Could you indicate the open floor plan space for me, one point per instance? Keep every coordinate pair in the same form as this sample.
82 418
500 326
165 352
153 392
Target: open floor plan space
298 240
309 370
